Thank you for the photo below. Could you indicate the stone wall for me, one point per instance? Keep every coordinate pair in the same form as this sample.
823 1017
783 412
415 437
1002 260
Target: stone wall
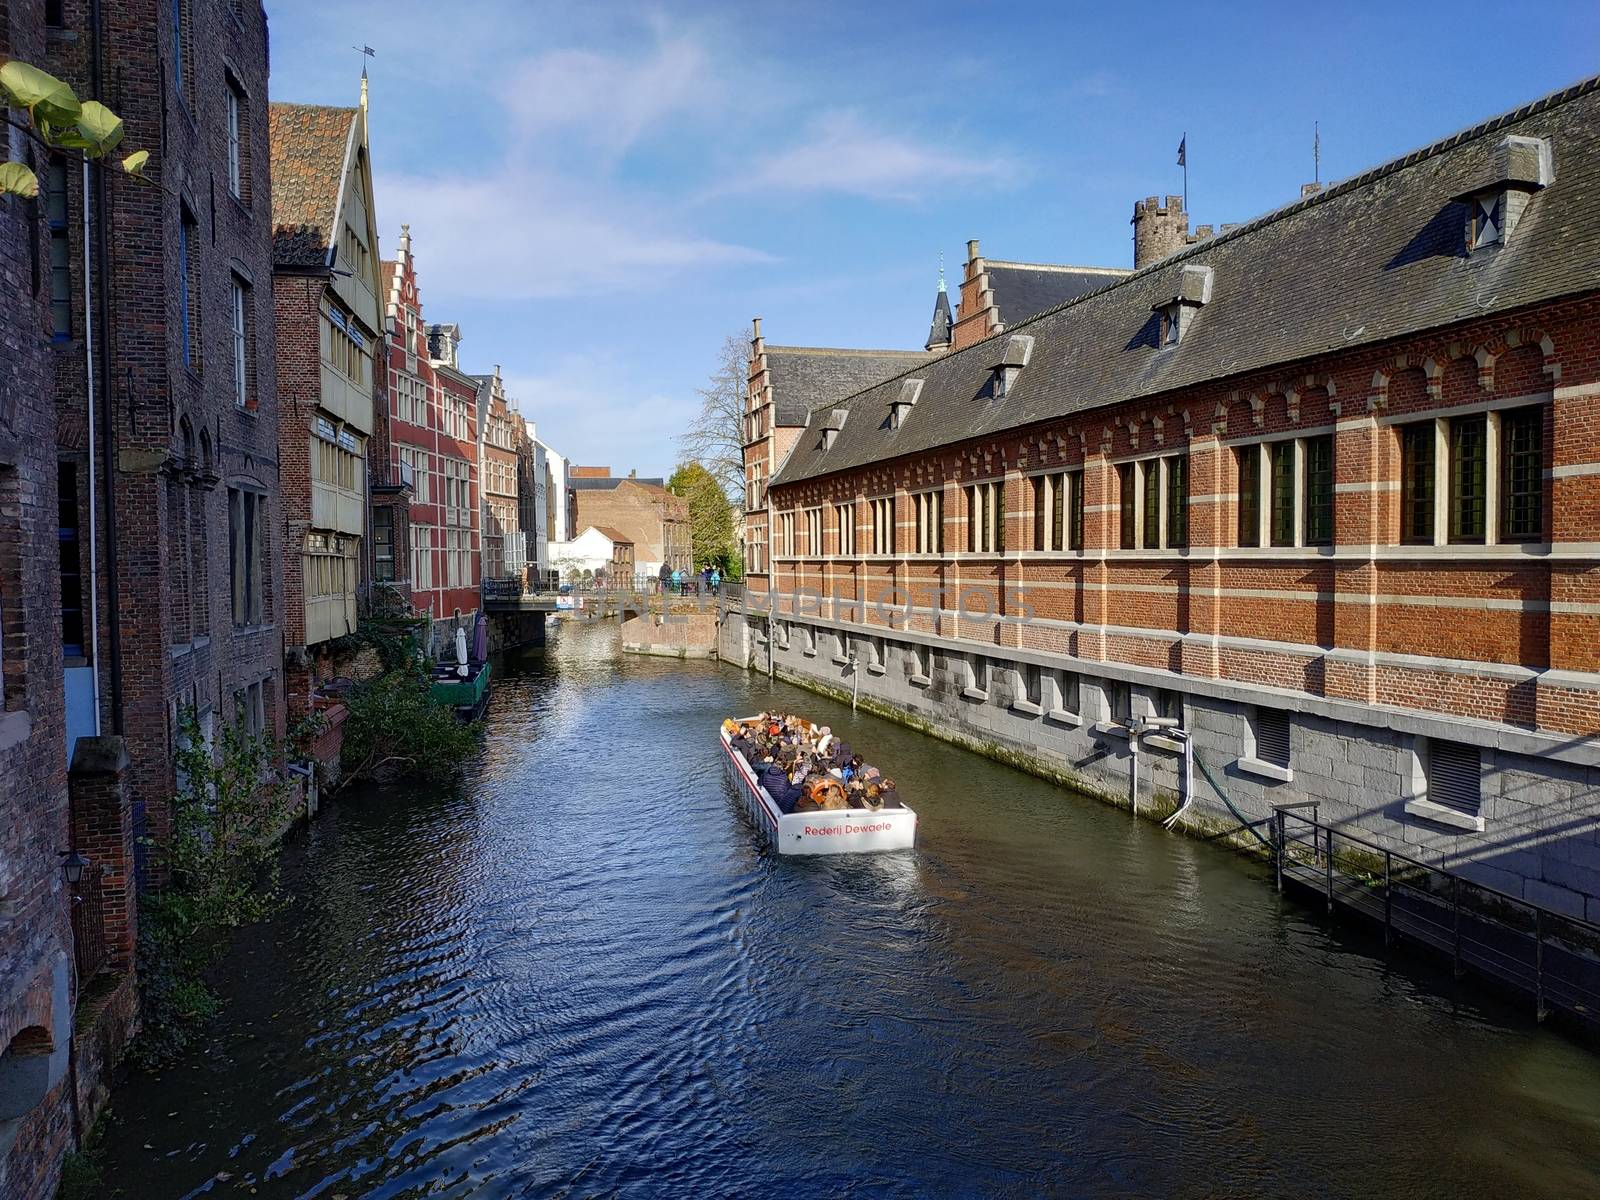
678 635
1541 809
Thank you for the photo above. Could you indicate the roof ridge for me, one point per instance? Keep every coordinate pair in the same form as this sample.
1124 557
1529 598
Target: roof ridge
1006 262
839 350
288 104
1483 128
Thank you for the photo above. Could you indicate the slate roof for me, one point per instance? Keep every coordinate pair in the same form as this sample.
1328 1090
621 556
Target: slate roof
1024 290
805 377
939 330
308 149
1379 256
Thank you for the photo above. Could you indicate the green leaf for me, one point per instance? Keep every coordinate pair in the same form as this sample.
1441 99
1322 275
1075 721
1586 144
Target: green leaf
17 180
134 164
44 96
99 129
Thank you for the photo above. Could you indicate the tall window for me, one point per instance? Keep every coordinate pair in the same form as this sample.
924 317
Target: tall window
383 544
247 532
1176 470
179 58
845 518
235 121
1319 491
1155 503
243 392
1282 455
1127 506
1417 469
1150 476
882 512
814 532
786 533
986 518
1248 459
1058 511
1469 462
55 208
1522 475
929 510
189 286
71 561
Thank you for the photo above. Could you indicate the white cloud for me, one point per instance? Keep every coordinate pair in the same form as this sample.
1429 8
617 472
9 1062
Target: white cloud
841 153
609 101
516 233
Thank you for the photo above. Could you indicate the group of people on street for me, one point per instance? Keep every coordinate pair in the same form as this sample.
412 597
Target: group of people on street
677 582
804 767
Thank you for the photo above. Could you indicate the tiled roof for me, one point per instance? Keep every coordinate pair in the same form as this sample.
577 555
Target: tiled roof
1024 290
804 377
614 534
1379 256
308 149
606 482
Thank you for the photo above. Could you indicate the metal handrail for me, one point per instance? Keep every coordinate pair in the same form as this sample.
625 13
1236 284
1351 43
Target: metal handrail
1436 915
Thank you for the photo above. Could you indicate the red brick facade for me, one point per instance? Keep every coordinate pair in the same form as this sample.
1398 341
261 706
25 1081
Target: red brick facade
432 424
1365 618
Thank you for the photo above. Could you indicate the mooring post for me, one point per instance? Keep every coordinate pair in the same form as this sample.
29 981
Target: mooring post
1538 965
1328 870
1388 898
1455 893
1278 831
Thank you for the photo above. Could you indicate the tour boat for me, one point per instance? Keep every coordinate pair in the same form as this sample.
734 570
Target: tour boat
829 831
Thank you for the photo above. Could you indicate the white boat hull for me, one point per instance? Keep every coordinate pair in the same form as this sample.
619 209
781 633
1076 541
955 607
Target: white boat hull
840 831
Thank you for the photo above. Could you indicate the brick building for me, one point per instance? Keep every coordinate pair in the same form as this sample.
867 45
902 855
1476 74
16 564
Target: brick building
642 511
325 288
784 382
432 547
504 550
1320 489
533 495
151 456
458 543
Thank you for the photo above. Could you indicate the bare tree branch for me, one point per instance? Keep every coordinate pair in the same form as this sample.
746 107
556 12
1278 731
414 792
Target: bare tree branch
715 438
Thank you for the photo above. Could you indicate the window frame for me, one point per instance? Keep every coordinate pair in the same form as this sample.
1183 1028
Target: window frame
928 510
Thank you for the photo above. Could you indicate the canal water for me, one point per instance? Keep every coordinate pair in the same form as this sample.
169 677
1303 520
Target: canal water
579 975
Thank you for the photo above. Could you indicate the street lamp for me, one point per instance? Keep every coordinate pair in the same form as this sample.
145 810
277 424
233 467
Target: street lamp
73 865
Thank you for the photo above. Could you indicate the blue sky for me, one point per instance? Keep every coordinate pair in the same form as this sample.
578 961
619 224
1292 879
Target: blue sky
600 193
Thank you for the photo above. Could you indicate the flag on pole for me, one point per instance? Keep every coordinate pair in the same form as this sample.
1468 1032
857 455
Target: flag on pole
1183 151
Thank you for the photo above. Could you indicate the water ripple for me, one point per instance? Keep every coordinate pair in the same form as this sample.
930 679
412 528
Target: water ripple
578 974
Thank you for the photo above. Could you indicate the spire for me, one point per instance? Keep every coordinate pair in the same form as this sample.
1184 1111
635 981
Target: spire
939 332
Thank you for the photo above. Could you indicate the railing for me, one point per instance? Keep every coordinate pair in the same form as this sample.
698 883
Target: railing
89 943
513 587
1551 955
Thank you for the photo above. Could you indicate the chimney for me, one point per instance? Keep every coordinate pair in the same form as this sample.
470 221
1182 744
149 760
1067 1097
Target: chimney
1158 230
634 473
1309 189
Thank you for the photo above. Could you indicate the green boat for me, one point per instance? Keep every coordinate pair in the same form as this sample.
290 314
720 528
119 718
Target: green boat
469 696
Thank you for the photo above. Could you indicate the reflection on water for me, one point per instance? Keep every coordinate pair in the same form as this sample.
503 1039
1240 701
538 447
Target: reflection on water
579 975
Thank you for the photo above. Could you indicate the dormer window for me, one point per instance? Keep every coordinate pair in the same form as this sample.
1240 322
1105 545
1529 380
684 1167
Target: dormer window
1014 354
1194 292
1522 165
1488 215
900 407
831 426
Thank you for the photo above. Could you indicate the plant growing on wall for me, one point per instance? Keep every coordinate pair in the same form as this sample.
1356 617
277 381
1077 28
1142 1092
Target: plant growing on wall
219 865
58 121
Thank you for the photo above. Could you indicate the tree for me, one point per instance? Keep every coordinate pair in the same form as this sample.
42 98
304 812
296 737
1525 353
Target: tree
58 121
715 439
710 516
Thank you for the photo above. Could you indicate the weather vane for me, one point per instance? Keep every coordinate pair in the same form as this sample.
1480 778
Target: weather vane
366 52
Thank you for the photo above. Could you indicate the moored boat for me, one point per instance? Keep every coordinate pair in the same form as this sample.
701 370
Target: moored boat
856 824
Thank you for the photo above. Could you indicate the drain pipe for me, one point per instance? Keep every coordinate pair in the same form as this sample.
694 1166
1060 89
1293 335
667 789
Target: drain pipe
94 517
855 680
1137 729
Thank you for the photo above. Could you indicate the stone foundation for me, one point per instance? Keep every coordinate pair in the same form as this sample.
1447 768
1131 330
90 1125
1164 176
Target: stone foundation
1053 716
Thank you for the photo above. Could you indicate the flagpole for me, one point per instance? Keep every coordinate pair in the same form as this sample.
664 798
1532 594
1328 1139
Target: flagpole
1185 170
